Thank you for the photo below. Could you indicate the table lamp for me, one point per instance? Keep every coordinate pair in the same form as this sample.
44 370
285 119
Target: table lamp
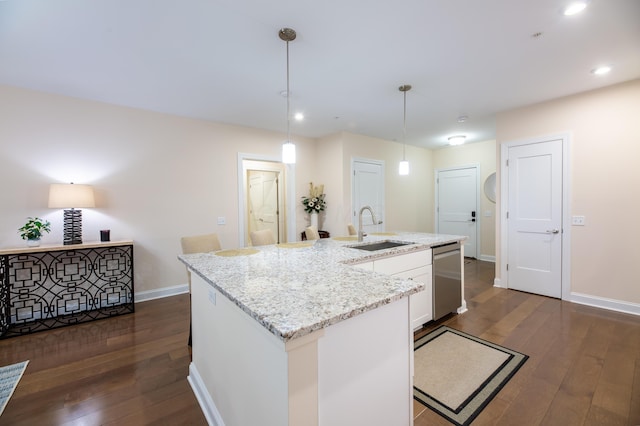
70 196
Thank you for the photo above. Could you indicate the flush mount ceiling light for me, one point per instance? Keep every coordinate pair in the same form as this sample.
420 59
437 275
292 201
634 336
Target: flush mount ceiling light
457 140
288 148
403 168
601 70
575 8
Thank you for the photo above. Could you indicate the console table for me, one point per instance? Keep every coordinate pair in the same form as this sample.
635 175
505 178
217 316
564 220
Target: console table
53 286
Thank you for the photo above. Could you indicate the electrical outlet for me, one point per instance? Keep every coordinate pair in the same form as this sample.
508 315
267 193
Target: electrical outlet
577 220
222 220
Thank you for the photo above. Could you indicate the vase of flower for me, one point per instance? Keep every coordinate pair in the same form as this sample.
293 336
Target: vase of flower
314 203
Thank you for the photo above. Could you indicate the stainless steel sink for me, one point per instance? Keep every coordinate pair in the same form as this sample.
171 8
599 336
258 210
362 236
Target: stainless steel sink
379 245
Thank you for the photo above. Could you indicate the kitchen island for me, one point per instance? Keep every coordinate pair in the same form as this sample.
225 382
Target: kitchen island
294 334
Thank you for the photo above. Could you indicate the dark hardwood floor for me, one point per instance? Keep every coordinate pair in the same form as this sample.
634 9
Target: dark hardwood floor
584 365
126 370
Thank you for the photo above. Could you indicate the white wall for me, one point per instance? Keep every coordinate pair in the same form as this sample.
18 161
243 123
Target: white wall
156 177
408 199
159 177
604 126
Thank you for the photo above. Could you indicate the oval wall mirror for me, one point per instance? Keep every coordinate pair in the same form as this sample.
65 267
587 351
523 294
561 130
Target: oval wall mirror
490 187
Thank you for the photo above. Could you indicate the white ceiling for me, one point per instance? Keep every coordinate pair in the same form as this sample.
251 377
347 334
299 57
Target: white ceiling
223 61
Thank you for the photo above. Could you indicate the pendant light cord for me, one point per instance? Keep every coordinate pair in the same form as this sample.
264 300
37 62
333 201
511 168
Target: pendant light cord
288 98
404 128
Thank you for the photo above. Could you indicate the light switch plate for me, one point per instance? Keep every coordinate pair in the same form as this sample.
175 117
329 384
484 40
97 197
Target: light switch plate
222 220
577 220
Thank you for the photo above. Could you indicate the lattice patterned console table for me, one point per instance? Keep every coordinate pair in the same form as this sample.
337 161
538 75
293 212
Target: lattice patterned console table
57 285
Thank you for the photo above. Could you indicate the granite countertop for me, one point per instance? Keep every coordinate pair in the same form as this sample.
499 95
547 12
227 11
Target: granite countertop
293 290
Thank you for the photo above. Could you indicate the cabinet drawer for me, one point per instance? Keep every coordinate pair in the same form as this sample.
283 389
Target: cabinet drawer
414 273
393 265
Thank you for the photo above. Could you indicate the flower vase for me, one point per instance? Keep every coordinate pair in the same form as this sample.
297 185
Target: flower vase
314 220
33 242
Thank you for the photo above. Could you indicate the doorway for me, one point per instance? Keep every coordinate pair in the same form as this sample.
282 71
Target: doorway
368 190
457 203
535 208
264 186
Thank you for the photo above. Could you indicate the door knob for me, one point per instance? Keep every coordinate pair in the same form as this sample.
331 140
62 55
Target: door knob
553 231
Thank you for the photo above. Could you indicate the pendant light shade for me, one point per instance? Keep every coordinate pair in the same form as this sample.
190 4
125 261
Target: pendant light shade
288 147
288 152
403 168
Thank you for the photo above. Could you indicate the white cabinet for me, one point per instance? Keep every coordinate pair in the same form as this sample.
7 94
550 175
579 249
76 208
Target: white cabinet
421 303
416 266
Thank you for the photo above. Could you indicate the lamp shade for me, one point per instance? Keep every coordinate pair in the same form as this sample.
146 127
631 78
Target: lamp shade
70 195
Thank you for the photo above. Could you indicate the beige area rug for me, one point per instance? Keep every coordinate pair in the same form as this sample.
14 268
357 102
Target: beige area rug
9 378
456 374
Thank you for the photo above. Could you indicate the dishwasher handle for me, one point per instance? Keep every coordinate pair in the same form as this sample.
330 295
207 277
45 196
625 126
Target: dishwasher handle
444 248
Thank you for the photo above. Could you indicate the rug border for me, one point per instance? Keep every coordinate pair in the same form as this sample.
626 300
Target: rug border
444 410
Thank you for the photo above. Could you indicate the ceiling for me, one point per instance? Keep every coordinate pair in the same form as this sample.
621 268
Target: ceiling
223 60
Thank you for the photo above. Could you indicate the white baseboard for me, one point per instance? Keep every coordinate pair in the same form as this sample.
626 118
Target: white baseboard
207 405
487 258
143 296
604 303
595 301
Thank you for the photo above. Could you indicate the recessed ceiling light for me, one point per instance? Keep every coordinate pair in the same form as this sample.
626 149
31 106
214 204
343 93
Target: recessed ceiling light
575 8
299 116
601 70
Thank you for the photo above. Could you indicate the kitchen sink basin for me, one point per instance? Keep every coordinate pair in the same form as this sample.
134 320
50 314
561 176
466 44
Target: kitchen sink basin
379 245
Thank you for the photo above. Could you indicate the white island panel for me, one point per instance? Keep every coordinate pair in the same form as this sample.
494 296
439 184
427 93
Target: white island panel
365 369
242 366
355 372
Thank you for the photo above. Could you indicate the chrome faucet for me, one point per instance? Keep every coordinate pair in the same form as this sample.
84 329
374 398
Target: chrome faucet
361 233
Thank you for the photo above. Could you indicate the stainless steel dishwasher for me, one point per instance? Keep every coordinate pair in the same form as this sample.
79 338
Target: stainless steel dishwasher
447 279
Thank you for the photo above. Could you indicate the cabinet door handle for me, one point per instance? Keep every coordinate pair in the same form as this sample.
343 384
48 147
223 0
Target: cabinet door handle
553 231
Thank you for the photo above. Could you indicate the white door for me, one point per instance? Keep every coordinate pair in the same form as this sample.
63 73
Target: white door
263 201
534 218
457 205
368 190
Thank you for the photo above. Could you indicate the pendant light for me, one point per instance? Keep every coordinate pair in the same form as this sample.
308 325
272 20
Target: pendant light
288 147
403 169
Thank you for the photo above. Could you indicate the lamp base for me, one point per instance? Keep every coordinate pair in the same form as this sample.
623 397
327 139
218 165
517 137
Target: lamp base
72 227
